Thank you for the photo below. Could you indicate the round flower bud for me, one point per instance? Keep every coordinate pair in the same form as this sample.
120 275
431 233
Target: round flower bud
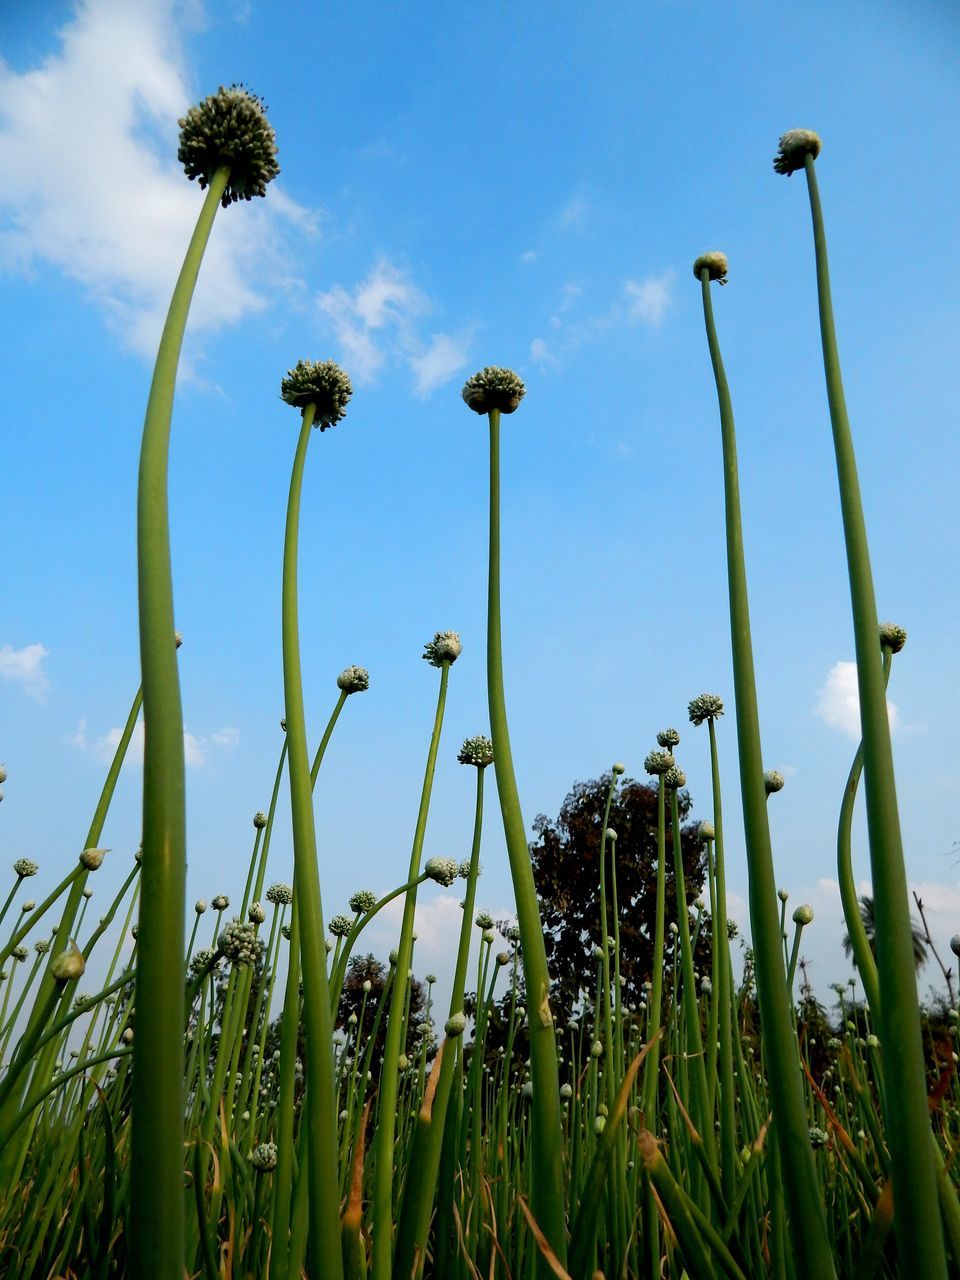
442 870
138 856
955 944
87 893
456 1024
783 895
483 920
430 979
795 146
675 778
362 901
513 933
256 913
477 751
599 1124
135 930
283 725
322 384
658 762
200 906
674 928
597 953
238 943
367 986
527 1090
126 1035
493 388
24 868
220 902
19 953
259 820
42 946
328 943
229 128
488 936
773 781
715 264
445 647
873 1042
68 964
3 774
92 859
285 930
353 680
892 637
28 905
706 832
706 706
503 958
394 956
403 1062
818 1138
264 1157
281 895
200 960
803 914
340 926
566 1091
668 739
596 1049
618 769
611 835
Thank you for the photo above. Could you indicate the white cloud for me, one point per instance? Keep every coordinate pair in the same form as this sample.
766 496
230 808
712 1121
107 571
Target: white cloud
196 749
528 256
25 666
88 143
574 214
838 700
541 354
375 324
649 299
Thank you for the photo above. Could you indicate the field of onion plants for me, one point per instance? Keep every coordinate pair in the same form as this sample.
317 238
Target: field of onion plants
201 1115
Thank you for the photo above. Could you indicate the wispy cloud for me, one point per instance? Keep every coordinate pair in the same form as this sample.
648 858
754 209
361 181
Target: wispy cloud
25 667
376 324
575 212
838 700
88 144
196 749
649 299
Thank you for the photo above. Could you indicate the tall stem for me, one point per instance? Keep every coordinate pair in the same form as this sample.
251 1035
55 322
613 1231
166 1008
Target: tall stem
814 1255
321 1118
548 1191
917 1221
156 1176
721 993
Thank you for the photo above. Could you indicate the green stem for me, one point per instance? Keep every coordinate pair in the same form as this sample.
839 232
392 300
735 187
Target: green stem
321 1101
807 1213
917 1220
548 1197
387 1105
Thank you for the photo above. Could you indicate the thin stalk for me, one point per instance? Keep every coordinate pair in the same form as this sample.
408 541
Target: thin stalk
807 1213
548 1193
321 1099
917 1220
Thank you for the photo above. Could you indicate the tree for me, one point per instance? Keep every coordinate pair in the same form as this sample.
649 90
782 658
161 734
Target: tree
566 868
869 924
354 1000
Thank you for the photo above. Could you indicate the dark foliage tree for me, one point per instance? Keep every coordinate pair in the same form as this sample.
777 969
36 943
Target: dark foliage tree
566 868
869 924
367 968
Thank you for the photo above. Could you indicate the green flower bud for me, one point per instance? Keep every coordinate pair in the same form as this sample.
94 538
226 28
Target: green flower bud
444 647
493 388
803 915
68 964
92 859
795 146
362 901
353 680
658 762
259 820
715 264
340 926
706 706
477 751
441 870
773 781
264 1157
281 895
456 1024
256 913
892 637
23 868
323 384
674 778
668 739
229 128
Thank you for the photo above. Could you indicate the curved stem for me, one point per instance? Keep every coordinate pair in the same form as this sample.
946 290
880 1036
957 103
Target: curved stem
814 1255
321 1117
917 1221
548 1196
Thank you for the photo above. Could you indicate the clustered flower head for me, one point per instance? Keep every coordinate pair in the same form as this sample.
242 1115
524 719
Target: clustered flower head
668 739
658 762
20 953
340 926
322 384
256 913
281 895
24 868
892 637
238 943
353 680
484 920
442 870
220 902
715 264
200 960
444 647
675 778
259 820
229 128
42 946
456 1024
795 146
773 781
707 706
264 1157
493 388
477 750
465 867
362 901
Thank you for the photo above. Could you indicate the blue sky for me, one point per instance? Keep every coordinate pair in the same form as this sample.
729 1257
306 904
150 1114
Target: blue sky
510 184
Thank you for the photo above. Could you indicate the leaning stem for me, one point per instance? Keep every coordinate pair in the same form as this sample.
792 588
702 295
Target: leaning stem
814 1255
321 1117
548 1191
917 1220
